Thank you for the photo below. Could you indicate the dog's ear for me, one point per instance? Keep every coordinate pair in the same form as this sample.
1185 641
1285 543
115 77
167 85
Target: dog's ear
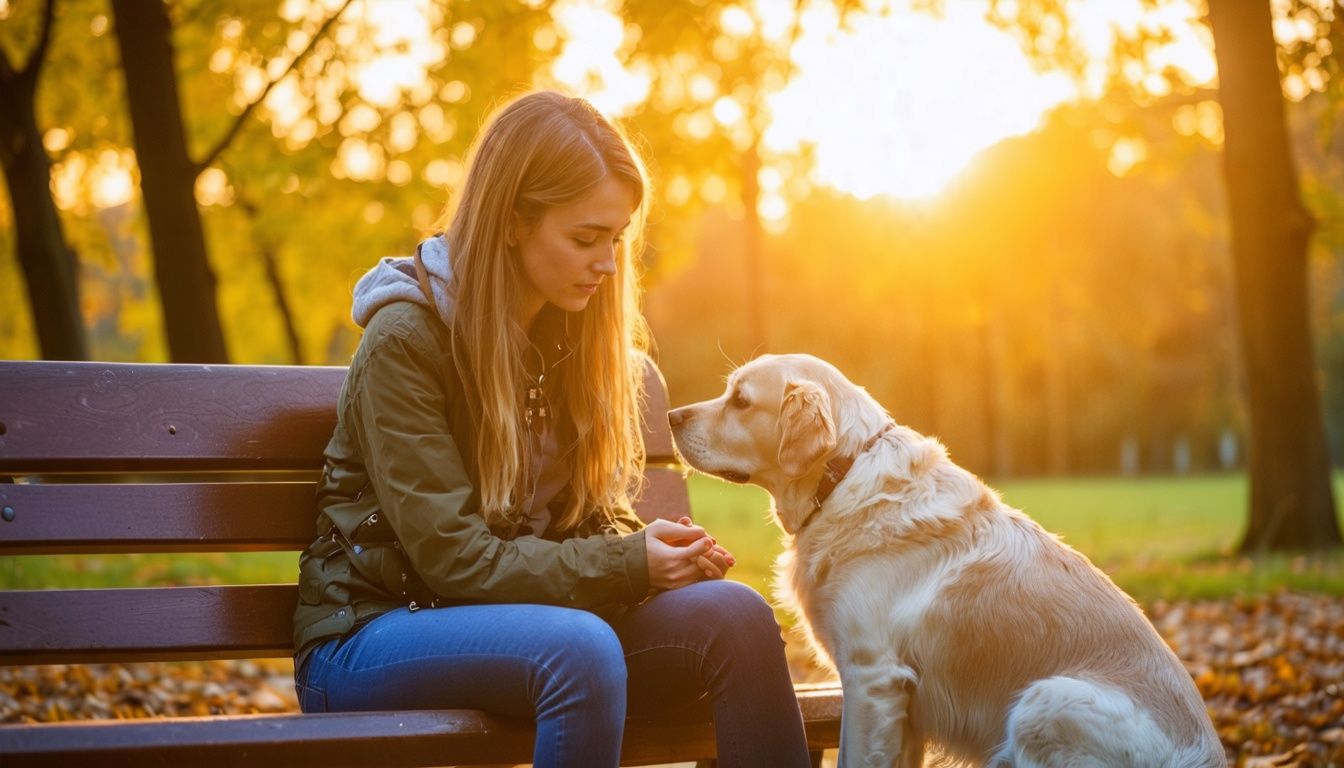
807 431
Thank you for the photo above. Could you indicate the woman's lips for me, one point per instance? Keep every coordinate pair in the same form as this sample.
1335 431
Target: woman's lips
588 288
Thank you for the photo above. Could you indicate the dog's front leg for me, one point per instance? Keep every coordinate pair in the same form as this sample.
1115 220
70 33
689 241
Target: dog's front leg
875 716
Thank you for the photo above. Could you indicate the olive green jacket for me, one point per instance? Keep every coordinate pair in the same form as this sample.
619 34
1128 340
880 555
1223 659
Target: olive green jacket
398 514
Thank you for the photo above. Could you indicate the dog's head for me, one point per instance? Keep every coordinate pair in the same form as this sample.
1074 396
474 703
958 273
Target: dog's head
779 419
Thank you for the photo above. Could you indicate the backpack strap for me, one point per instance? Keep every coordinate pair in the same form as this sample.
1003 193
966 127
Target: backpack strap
422 277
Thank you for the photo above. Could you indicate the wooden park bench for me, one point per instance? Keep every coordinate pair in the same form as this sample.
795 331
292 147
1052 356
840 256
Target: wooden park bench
117 458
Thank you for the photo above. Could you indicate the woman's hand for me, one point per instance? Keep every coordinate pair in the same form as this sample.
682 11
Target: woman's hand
717 561
682 553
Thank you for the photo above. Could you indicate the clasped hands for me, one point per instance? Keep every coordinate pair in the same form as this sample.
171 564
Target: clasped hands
682 553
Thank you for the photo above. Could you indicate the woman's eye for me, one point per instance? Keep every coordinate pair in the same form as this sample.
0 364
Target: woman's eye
739 401
585 243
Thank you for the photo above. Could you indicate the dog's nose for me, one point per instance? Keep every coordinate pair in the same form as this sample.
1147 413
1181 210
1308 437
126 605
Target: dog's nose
676 416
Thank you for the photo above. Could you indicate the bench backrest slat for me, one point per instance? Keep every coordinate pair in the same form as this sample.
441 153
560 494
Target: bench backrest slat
203 517
163 517
126 417
60 626
59 417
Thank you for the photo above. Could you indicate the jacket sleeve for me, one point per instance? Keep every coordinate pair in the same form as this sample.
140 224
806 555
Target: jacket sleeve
624 521
400 420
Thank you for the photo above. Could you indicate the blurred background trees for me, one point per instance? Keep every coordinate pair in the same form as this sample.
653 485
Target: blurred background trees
49 267
1017 233
1292 504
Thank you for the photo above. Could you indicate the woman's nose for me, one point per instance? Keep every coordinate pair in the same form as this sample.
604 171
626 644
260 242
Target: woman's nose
607 264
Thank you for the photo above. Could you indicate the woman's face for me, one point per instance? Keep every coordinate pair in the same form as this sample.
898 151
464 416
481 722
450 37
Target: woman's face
570 249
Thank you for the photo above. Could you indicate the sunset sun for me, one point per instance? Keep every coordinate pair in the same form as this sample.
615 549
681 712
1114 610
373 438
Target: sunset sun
890 103
898 105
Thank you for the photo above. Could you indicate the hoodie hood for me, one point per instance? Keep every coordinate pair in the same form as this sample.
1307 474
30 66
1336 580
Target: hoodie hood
394 279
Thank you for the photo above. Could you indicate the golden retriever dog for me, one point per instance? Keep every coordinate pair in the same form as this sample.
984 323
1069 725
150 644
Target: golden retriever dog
950 617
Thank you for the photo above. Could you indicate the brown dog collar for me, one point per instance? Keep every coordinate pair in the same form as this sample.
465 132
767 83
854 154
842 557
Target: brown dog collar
836 469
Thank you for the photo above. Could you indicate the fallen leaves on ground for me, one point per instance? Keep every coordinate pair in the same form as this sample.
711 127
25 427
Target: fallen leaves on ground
1270 668
161 689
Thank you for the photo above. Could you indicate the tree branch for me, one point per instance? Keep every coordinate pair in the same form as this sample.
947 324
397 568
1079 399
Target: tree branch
39 53
247 111
796 23
7 73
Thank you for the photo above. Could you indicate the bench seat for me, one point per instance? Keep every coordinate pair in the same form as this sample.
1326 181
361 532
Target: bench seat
359 738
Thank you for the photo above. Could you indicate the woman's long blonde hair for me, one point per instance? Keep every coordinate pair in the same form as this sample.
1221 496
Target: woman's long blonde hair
538 151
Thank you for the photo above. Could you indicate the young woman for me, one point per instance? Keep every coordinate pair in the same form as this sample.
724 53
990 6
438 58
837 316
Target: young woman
476 547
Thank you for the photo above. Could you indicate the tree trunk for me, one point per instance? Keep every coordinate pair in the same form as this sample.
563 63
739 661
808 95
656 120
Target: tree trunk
272 263
1055 392
998 396
1292 505
49 267
168 182
753 239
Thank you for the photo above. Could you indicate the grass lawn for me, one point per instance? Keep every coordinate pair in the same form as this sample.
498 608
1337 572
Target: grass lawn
1157 537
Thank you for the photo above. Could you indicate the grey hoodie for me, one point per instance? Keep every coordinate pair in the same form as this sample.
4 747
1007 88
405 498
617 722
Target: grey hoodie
393 279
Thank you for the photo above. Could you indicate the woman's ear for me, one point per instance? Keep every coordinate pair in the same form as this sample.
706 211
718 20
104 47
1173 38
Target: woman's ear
807 431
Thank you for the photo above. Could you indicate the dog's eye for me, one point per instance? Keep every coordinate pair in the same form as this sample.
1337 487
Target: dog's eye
739 401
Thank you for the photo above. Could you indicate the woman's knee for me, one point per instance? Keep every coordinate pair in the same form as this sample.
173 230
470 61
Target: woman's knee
588 653
587 632
742 606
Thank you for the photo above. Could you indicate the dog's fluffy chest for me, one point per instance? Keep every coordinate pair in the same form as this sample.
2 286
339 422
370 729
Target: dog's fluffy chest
865 606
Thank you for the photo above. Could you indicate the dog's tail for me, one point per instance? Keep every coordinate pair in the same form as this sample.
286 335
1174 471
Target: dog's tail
1209 753
1070 721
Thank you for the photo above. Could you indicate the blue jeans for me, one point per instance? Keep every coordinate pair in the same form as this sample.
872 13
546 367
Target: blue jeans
712 649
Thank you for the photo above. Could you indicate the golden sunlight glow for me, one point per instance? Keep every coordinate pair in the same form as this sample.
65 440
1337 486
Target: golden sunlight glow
56 139
1125 154
79 180
735 20
111 181
1190 53
213 188
588 64
389 49
1204 119
894 103
899 105
407 49
67 177
359 160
